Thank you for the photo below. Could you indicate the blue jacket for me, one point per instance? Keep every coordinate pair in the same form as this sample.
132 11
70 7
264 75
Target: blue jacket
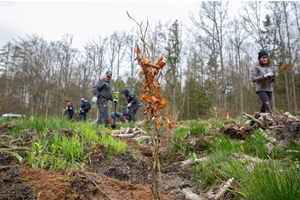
70 109
84 103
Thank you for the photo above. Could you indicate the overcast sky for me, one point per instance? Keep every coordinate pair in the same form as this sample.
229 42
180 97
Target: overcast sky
86 19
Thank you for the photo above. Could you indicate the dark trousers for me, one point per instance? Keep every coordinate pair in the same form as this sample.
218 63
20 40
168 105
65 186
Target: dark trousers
70 116
84 114
79 117
132 110
265 97
103 110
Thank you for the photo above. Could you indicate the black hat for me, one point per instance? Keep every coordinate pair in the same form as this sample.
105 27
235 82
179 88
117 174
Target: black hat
82 97
79 106
108 73
262 53
124 90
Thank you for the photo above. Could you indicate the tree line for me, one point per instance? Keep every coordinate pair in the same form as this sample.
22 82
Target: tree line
207 64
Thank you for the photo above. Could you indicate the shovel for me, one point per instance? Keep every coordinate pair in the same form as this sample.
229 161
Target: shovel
113 126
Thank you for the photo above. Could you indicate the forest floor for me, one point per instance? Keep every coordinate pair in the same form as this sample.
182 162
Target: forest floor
117 176
123 177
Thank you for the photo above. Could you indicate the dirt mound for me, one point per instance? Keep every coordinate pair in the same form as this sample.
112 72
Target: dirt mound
47 185
11 185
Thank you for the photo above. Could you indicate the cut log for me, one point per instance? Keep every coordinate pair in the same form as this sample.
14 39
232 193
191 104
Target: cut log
224 189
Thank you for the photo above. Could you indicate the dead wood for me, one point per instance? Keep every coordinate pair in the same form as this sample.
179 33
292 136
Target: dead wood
130 135
13 148
4 167
187 163
246 157
142 138
224 189
261 124
189 195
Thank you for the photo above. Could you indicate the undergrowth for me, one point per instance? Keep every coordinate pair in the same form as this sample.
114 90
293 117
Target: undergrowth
65 150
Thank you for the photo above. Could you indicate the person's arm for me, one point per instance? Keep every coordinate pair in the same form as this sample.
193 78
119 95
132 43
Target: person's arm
97 87
254 74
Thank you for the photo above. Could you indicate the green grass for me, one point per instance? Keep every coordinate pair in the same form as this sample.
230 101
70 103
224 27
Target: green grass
196 128
266 181
72 148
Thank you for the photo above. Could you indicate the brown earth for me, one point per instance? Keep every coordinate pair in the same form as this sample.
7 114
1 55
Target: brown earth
119 176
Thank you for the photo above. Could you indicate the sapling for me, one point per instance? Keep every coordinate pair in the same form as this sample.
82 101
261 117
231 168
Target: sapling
152 96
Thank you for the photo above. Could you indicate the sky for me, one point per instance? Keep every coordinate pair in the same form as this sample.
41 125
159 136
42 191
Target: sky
85 19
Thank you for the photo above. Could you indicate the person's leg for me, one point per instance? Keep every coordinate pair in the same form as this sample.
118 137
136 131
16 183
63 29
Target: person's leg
264 98
103 109
270 98
132 112
99 121
84 115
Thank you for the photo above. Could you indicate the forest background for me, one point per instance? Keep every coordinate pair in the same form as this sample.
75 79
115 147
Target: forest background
206 69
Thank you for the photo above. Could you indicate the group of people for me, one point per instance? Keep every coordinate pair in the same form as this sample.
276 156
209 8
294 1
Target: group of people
262 74
101 95
83 109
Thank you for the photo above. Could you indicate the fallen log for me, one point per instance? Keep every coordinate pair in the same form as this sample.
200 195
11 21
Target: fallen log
188 162
130 135
224 189
142 138
120 131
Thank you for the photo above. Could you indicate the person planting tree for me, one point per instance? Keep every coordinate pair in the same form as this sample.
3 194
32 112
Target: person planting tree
133 104
115 116
263 76
101 94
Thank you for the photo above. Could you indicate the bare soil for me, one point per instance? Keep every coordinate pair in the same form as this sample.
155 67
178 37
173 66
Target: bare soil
119 176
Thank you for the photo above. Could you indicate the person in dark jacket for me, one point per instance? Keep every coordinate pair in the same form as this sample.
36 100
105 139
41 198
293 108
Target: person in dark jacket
116 115
101 94
70 111
85 106
80 114
133 104
263 76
